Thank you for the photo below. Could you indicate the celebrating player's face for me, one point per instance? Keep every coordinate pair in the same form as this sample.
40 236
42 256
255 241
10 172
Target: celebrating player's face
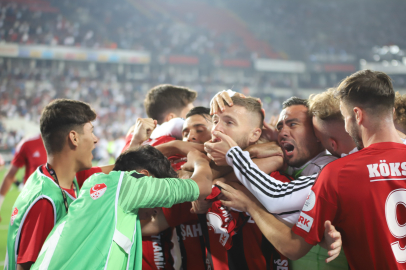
197 129
351 126
234 122
87 141
296 136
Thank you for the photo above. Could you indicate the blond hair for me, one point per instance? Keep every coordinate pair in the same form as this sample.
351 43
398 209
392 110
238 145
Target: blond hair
251 105
324 105
400 109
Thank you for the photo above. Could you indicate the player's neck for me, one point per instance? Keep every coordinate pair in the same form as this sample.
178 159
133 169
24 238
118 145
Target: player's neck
64 167
385 132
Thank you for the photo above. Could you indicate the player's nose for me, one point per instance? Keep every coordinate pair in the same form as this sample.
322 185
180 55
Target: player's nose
191 137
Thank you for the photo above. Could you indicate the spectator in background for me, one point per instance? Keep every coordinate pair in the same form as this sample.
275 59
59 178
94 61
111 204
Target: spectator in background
30 153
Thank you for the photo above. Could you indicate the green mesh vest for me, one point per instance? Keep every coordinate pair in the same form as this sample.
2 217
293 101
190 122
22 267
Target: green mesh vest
38 186
107 237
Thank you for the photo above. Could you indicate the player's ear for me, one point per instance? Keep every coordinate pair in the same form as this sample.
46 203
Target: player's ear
255 134
169 116
73 138
333 144
359 114
145 172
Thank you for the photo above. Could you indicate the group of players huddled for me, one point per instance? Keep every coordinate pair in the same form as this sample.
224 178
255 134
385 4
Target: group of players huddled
199 188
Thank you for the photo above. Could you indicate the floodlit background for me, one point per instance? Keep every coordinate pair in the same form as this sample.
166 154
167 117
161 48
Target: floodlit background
109 53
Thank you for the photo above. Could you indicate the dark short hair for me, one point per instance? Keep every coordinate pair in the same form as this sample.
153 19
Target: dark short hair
147 158
166 98
200 110
367 89
60 117
295 101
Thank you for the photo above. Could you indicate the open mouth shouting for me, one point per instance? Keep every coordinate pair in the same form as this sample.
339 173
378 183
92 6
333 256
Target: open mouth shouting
288 149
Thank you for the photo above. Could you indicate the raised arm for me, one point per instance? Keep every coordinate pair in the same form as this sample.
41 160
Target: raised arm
284 199
277 232
141 191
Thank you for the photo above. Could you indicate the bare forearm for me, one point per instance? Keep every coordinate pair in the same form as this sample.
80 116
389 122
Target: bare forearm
167 149
220 171
278 233
8 180
203 177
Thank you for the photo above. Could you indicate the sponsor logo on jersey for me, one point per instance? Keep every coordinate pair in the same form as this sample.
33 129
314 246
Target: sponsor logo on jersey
13 215
215 223
36 154
194 230
305 222
97 191
159 258
386 169
310 202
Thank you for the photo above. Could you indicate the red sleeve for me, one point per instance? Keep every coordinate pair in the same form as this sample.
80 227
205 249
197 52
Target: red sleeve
321 205
19 156
37 225
127 142
83 175
179 213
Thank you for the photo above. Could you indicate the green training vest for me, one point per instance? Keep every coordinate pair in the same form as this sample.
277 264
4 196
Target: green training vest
96 233
38 186
315 259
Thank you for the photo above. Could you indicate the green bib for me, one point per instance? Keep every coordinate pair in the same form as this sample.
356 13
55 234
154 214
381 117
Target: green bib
38 186
96 233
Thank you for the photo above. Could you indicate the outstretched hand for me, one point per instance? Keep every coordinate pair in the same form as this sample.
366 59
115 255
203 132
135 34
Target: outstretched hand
217 150
269 133
217 103
237 196
333 241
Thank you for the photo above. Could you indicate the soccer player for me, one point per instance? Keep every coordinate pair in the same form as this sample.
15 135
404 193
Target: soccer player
250 250
102 228
30 153
303 153
361 193
167 104
68 137
328 123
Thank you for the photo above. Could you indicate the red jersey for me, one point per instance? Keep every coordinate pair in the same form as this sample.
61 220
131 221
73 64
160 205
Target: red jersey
40 221
156 250
364 196
30 153
247 247
191 240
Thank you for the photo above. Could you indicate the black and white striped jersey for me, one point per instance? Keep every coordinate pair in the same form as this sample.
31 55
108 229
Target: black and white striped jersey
284 200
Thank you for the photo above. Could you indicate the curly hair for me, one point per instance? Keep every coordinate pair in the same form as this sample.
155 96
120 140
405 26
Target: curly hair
400 110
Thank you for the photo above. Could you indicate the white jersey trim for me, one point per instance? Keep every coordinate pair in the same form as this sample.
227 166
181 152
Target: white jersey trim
279 198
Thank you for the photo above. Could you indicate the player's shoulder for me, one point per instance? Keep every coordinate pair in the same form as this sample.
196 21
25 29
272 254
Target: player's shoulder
339 163
29 141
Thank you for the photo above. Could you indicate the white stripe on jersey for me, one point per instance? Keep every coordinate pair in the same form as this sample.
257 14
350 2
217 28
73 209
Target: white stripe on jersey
279 198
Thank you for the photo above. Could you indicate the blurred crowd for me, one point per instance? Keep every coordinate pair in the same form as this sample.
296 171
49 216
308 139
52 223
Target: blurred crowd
296 29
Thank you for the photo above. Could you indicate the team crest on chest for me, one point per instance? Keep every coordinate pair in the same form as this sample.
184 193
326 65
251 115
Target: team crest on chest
97 191
13 215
